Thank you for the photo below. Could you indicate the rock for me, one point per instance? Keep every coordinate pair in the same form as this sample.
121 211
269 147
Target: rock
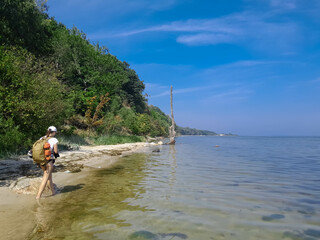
173 235
160 143
143 235
25 185
150 139
272 217
299 235
71 167
312 233
11 170
156 150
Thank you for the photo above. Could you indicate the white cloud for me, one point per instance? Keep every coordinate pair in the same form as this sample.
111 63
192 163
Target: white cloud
154 86
203 88
251 29
229 95
205 39
314 81
284 4
183 90
221 81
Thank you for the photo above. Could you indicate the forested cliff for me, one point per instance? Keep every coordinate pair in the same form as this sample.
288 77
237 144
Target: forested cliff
52 75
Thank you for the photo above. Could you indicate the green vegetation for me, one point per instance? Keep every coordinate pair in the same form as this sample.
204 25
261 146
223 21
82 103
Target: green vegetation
193 131
114 139
52 75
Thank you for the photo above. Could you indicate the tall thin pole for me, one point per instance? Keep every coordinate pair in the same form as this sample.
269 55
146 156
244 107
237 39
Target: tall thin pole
171 129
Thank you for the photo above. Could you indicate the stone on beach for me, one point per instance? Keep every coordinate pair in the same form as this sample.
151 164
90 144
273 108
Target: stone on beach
25 185
273 217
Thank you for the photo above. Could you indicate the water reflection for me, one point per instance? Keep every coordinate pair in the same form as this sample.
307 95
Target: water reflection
252 188
92 209
173 163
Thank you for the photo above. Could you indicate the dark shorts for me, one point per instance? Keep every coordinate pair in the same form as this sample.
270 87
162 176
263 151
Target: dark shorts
44 164
52 160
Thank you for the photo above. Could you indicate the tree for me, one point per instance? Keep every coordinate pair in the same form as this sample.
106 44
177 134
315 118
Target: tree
23 24
172 133
31 97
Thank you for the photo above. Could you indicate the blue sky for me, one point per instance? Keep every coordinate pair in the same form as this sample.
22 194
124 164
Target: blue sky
250 67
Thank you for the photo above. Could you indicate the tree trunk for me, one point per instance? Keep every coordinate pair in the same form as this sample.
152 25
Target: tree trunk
171 128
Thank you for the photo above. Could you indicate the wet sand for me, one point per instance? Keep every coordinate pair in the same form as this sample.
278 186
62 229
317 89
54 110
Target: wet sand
17 192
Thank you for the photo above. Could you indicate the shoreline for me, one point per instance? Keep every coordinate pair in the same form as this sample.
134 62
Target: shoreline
18 191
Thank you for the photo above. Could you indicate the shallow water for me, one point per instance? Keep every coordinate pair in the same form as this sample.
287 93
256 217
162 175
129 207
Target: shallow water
247 188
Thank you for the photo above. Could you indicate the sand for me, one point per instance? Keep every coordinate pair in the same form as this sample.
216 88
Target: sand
20 178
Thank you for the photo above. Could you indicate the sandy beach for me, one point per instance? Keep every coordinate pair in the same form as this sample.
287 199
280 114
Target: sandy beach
20 178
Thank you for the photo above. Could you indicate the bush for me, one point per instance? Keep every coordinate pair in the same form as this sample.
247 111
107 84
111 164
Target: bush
31 98
116 139
12 140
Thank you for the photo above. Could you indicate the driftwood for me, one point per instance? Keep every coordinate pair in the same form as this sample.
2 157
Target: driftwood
172 133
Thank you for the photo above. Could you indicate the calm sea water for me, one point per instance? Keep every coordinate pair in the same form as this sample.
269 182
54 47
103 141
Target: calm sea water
244 188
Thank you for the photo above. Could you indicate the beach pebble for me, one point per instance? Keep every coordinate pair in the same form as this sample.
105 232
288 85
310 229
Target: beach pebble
312 233
143 235
273 217
25 185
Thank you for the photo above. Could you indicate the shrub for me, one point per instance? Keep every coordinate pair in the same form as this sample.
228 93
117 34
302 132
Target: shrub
116 139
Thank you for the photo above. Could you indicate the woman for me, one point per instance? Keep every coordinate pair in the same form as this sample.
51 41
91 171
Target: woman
48 167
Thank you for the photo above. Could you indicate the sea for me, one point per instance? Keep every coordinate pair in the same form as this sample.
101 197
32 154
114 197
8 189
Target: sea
203 187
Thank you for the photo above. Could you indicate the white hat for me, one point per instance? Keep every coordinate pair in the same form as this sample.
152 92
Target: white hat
52 129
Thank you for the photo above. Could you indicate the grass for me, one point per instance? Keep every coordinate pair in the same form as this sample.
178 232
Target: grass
72 141
117 139
11 155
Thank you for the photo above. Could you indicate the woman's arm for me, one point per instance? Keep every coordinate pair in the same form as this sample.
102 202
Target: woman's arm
55 150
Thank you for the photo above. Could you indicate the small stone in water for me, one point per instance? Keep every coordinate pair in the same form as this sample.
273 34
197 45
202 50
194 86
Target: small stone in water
172 235
312 233
299 235
143 235
272 217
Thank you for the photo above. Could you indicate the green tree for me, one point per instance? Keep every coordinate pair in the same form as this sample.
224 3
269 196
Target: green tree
31 97
23 24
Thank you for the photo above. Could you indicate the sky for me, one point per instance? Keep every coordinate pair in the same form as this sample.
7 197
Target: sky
248 67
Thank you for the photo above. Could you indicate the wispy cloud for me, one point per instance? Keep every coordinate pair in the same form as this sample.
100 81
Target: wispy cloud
204 89
191 25
206 39
241 28
242 70
317 80
154 86
230 95
286 4
220 80
184 90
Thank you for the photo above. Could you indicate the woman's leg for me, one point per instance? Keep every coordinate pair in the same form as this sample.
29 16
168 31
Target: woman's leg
46 173
50 182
